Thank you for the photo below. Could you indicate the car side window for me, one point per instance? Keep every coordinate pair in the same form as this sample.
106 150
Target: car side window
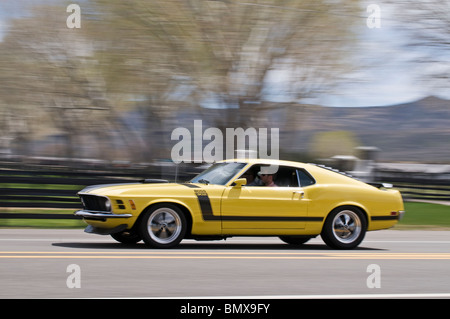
285 176
304 178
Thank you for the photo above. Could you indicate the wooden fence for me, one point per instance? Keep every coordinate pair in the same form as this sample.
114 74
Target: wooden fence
22 190
427 188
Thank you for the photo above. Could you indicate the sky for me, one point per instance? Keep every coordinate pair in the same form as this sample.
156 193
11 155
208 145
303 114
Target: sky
388 79
391 78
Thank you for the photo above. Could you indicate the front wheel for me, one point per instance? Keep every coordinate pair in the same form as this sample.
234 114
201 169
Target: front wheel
163 226
344 228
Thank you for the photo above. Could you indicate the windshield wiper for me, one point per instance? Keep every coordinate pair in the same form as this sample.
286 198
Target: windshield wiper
203 181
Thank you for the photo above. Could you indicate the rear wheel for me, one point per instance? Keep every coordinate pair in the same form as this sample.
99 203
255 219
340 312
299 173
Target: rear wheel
163 226
344 228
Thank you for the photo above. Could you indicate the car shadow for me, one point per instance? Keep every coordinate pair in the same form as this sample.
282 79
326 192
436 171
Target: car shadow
209 246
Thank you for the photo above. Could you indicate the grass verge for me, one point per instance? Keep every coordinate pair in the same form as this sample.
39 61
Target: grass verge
40 223
425 216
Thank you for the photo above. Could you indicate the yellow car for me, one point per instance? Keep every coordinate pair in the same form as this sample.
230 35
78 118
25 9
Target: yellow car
256 197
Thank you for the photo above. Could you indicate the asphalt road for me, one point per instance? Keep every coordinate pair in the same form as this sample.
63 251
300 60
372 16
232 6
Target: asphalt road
72 264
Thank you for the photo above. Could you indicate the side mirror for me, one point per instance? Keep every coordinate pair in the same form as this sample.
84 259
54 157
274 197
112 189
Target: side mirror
240 182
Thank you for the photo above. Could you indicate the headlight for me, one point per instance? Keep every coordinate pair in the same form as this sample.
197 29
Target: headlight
107 205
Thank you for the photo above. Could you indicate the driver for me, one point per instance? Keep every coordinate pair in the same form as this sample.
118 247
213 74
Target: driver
267 175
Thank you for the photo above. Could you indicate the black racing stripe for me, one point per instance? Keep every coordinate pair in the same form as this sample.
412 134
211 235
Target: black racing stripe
272 218
207 213
375 218
205 205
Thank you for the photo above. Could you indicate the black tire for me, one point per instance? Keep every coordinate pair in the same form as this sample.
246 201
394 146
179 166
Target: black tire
344 228
163 226
127 237
294 240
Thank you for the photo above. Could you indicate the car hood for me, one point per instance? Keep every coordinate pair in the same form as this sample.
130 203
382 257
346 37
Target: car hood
137 189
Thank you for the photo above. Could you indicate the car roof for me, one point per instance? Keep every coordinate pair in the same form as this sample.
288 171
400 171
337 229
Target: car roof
315 169
265 161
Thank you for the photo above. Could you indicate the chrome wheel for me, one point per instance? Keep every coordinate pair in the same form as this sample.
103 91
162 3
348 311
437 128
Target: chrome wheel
164 226
346 226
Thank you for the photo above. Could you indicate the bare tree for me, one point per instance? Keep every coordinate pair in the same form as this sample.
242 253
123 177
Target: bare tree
226 51
427 28
52 83
165 57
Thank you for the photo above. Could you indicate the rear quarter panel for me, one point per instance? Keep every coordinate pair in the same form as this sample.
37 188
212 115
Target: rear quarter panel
333 190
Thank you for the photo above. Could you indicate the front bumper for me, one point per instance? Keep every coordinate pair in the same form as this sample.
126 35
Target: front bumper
89 214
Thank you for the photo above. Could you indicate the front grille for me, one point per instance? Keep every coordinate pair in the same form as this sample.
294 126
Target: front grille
95 203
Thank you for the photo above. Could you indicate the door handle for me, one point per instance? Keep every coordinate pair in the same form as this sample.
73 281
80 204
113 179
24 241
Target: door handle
302 193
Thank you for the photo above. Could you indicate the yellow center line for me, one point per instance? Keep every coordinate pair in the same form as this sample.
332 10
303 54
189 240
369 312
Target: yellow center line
220 255
174 252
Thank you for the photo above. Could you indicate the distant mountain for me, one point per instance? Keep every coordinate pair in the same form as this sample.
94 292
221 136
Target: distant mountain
417 131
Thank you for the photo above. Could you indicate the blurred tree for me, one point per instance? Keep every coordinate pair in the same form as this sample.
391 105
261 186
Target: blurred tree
426 26
224 54
161 58
51 85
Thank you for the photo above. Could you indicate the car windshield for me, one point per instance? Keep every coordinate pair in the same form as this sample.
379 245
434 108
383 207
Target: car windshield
219 173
